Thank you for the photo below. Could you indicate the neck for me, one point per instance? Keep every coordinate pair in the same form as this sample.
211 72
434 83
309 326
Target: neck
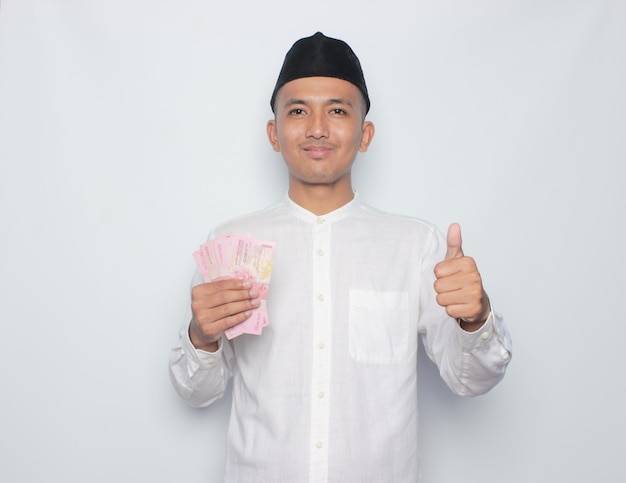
321 199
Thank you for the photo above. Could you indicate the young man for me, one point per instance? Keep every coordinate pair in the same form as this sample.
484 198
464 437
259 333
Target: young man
328 392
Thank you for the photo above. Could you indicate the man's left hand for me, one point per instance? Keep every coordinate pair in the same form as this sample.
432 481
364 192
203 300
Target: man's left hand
459 286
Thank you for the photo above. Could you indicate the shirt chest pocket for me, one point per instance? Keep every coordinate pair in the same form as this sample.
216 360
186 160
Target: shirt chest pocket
378 326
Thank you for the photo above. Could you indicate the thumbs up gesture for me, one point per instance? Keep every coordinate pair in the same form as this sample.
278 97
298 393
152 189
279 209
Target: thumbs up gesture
459 286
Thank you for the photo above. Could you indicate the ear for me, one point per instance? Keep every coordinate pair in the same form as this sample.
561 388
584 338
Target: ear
272 134
367 134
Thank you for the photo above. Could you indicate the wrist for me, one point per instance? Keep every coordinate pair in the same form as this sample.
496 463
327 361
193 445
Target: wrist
478 322
210 347
471 326
199 342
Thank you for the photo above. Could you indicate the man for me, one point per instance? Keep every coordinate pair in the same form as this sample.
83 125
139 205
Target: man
328 392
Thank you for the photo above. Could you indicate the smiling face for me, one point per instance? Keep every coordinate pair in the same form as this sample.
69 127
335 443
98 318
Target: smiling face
319 129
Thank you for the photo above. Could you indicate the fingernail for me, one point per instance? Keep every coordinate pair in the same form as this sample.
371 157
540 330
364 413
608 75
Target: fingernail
246 284
255 302
253 293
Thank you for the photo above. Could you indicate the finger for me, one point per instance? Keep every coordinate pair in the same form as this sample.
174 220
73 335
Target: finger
454 242
217 293
463 311
469 312
215 305
464 267
213 321
233 320
233 308
456 274
222 284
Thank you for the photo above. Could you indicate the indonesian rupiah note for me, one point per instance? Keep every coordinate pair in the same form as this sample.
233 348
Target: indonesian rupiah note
243 258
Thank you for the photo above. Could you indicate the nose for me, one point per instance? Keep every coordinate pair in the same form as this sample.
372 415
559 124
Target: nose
317 127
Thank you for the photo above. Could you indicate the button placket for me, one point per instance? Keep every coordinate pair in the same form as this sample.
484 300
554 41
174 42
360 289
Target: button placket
320 371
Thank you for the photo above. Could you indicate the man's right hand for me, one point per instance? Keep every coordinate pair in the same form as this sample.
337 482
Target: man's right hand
217 306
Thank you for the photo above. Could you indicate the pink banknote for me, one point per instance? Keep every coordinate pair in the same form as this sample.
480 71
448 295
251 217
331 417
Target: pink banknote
244 258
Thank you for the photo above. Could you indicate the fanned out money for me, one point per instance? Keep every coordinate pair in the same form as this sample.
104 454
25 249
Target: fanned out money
244 258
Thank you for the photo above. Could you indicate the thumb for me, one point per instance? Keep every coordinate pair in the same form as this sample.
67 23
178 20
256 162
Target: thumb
454 242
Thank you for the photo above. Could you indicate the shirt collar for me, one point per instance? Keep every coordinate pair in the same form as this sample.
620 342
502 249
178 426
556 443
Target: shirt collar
335 215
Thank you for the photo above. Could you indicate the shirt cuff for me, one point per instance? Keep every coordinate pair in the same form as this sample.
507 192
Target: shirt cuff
486 323
481 339
199 356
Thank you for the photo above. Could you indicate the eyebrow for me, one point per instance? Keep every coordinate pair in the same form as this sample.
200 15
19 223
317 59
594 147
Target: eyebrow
339 100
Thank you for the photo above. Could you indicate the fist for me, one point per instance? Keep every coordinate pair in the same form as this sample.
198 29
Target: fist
217 306
459 286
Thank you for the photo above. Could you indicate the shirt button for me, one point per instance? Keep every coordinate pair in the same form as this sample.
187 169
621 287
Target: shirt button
320 252
320 395
319 221
484 336
321 297
319 444
321 345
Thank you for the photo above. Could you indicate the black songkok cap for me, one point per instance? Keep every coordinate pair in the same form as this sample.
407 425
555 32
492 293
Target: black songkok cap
321 56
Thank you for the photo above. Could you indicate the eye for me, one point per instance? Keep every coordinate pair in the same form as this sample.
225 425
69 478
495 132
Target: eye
338 111
296 112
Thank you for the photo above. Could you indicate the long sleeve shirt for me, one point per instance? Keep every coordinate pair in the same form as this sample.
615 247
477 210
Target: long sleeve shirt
328 392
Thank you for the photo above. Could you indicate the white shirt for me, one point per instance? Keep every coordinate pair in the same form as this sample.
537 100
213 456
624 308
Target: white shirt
328 392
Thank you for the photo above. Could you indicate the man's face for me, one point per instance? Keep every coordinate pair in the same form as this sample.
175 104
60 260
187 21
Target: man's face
319 129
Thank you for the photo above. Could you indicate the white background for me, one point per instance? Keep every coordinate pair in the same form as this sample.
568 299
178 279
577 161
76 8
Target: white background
129 128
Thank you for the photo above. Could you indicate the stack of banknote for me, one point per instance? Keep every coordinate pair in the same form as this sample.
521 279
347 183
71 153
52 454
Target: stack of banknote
244 258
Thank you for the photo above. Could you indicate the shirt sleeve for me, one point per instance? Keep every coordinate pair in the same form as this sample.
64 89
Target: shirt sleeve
471 363
200 377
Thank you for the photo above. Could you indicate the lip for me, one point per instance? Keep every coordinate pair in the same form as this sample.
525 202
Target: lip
317 150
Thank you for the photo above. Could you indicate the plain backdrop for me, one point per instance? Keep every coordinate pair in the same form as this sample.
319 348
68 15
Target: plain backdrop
129 128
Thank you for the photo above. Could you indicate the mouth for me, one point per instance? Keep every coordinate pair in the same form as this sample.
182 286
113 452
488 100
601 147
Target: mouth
317 150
